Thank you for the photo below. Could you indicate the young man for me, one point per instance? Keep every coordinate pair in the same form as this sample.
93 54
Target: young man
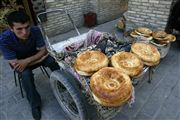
22 45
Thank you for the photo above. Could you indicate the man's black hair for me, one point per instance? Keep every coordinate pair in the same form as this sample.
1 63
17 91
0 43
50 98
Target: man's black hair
18 17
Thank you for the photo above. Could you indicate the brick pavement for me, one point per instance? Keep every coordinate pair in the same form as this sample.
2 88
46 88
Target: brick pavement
159 100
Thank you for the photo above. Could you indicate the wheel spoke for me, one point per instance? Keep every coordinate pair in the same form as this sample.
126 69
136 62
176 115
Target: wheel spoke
67 99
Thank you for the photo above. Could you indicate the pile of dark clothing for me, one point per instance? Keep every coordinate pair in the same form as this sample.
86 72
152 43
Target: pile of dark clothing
174 21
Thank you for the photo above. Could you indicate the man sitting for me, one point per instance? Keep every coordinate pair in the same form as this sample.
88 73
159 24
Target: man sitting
22 45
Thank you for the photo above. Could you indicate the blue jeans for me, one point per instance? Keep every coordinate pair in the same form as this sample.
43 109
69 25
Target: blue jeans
28 80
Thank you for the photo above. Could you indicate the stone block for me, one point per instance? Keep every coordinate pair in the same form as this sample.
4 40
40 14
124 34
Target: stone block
139 19
136 0
159 6
152 8
141 13
147 11
164 9
152 24
158 12
165 2
142 116
162 16
144 16
136 3
3 115
146 4
137 10
151 15
170 110
143 7
121 116
154 1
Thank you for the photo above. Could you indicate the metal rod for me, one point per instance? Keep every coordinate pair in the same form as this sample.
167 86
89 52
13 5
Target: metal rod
150 74
73 24
43 30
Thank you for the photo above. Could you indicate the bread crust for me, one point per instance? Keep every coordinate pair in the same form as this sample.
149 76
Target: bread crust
134 34
148 53
111 87
170 38
159 35
128 63
162 37
89 62
143 31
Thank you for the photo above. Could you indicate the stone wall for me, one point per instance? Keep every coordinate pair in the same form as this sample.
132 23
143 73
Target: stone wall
58 22
150 13
106 10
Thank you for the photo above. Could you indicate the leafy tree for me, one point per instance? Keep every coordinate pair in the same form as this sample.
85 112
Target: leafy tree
7 6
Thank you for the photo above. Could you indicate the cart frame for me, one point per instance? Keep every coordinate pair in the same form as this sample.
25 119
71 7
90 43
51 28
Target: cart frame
84 89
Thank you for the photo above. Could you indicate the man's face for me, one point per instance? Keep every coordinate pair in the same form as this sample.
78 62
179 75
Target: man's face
22 31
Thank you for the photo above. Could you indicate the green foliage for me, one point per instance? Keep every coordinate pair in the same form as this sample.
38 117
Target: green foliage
7 7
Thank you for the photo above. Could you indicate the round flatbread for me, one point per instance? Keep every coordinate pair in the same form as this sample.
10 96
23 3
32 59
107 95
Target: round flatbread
111 87
128 63
89 62
148 53
143 31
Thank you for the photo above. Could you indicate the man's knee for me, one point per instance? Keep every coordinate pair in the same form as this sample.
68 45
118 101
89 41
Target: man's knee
49 59
51 63
26 75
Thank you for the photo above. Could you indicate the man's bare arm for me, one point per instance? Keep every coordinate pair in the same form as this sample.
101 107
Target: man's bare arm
38 61
21 64
42 52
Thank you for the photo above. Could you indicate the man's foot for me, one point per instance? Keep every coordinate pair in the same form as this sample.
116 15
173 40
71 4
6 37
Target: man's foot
36 113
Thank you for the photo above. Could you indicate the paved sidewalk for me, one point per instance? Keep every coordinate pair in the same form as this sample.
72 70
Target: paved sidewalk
159 100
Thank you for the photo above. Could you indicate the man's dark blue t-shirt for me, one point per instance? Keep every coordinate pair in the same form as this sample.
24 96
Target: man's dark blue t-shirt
12 48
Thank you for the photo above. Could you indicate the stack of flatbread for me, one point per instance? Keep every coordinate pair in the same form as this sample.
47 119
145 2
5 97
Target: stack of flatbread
148 53
162 37
142 31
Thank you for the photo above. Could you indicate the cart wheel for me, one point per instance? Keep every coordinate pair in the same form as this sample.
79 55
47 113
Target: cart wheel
66 90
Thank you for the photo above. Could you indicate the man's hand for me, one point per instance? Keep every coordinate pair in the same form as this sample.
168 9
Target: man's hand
20 65
38 61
